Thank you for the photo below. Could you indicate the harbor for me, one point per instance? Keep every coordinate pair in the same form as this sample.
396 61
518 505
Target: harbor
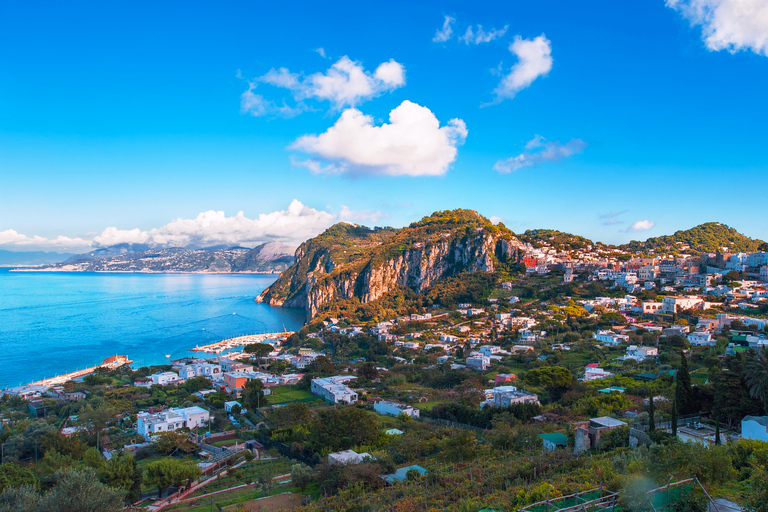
239 341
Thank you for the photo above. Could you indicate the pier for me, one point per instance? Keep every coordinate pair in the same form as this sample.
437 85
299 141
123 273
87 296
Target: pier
221 346
109 363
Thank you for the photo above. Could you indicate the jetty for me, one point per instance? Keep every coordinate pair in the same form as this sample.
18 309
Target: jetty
109 363
250 339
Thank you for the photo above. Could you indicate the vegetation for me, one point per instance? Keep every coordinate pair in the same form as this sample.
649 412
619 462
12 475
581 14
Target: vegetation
707 237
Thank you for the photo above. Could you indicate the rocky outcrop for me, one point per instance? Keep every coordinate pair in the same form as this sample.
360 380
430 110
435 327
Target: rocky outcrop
413 257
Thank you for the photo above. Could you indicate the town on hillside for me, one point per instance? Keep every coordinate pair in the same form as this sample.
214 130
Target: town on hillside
565 379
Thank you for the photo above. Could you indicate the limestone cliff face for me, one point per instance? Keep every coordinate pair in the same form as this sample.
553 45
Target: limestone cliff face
318 278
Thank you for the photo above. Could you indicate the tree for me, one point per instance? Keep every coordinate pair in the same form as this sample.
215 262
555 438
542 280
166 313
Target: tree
168 442
368 371
93 458
683 391
13 475
253 394
343 428
165 473
674 418
651 414
76 490
321 366
553 378
258 350
122 472
756 376
30 442
65 445
290 415
301 475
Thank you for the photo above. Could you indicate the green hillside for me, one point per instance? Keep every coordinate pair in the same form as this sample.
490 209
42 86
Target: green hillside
708 237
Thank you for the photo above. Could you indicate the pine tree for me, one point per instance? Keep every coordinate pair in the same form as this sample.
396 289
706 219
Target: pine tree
674 418
651 414
683 391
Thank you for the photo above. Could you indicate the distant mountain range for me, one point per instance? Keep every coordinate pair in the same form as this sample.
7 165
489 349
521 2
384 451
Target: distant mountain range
272 257
23 258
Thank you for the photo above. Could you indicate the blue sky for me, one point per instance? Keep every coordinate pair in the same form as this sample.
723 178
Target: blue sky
614 114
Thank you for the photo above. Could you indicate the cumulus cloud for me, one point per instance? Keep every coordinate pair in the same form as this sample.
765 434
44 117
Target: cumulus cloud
479 35
641 225
412 144
495 219
11 238
539 150
258 106
534 59
293 225
731 25
345 83
446 32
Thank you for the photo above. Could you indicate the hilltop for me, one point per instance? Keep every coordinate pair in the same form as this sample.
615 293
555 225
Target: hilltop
348 261
709 237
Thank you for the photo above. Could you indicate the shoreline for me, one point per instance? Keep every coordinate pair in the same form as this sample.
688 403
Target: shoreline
73 271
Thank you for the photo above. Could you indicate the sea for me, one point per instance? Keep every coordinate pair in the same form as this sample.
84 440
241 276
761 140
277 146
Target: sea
58 322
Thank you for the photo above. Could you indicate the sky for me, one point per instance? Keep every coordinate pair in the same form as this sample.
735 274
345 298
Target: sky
175 123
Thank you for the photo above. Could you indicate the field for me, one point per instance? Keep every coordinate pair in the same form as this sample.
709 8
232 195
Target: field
288 394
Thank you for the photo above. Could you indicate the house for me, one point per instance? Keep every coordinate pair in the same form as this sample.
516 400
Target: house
674 304
478 363
755 427
489 350
148 424
333 389
508 398
701 338
347 457
235 382
610 337
554 441
504 377
594 372
229 405
590 434
189 371
392 408
402 474
641 353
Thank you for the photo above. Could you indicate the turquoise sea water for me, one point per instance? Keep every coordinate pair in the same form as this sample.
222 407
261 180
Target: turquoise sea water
53 323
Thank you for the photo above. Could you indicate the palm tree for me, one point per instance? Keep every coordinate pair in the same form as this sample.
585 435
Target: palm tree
756 376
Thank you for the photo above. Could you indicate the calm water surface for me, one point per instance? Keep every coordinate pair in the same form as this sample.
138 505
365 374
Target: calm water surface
53 323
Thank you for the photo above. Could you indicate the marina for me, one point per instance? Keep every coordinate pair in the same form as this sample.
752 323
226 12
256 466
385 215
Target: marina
221 346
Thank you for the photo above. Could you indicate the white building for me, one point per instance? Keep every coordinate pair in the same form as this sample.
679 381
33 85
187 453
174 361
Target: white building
334 390
514 397
347 457
676 304
701 338
489 350
755 427
594 372
478 363
610 337
161 379
392 408
641 353
148 424
189 371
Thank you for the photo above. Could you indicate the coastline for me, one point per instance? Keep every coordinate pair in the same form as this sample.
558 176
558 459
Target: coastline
75 271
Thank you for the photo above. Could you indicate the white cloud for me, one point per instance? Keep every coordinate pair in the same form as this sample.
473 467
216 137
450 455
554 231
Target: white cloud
320 52
641 225
534 59
412 144
731 25
495 219
539 150
10 238
293 225
481 36
446 32
345 83
257 106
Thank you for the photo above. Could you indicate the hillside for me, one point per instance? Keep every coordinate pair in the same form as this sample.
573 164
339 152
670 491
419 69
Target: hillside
707 237
349 261
564 242
269 258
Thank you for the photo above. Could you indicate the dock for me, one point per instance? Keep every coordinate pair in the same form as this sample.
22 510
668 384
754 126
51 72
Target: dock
109 363
250 339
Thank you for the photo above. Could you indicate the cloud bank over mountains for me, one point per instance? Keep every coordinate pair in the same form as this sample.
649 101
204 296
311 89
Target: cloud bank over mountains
291 226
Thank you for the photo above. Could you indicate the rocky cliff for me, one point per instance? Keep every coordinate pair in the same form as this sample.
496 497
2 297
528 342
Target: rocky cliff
350 261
